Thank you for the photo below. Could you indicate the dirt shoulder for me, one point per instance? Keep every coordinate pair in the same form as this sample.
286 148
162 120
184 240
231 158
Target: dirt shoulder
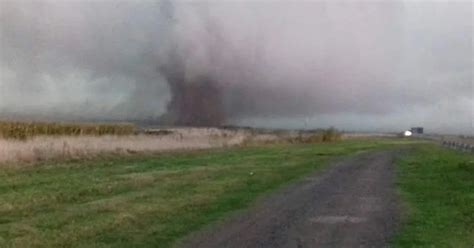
352 204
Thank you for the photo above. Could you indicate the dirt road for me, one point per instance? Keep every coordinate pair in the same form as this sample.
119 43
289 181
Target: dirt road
351 204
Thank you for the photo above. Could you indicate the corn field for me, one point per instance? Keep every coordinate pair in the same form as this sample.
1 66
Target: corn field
25 130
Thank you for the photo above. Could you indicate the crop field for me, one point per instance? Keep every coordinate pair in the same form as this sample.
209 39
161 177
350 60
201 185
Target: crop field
25 130
149 200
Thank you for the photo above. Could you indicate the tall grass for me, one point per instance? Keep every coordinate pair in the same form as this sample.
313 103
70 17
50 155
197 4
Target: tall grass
89 146
56 141
25 130
303 137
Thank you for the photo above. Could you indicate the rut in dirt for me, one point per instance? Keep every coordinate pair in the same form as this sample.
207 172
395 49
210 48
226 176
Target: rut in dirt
352 204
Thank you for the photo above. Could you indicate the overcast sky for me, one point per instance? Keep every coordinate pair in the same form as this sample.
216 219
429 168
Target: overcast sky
355 65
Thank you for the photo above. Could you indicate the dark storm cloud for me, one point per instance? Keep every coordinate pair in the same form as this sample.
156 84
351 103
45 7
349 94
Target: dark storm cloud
351 64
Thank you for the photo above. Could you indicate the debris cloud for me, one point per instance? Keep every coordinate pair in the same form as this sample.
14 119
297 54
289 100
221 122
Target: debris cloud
357 65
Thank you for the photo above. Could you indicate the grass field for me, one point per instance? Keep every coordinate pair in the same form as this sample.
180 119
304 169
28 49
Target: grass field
437 186
148 200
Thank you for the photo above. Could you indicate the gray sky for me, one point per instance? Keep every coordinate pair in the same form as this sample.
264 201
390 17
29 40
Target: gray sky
355 65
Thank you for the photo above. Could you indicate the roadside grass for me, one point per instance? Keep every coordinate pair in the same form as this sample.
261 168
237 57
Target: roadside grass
437 186
149 200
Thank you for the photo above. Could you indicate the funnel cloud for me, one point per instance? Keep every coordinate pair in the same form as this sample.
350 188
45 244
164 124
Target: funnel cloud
355 65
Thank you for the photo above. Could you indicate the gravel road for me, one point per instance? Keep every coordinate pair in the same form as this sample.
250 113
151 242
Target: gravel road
350 204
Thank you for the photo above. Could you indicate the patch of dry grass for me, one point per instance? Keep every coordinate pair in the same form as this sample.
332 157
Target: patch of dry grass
39 148
44 148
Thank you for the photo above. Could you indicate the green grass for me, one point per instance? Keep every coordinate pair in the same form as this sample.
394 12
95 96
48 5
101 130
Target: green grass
148 200
437 186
